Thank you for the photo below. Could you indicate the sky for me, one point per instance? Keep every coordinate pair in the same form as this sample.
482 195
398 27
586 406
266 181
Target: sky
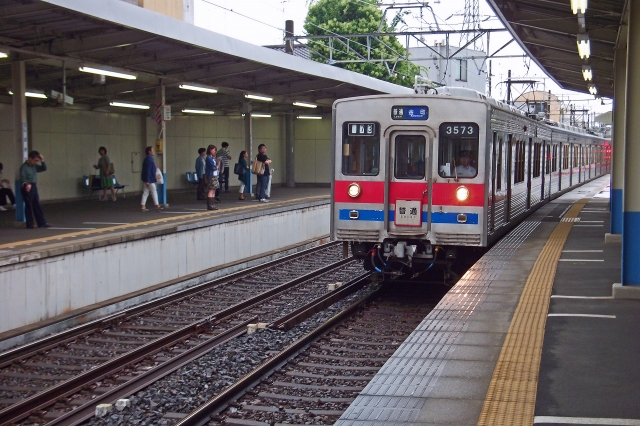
261 22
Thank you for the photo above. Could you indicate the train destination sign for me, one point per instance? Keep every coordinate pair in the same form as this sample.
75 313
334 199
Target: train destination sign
407 112
361 129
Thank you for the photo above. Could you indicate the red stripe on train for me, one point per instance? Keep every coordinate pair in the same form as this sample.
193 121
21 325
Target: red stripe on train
371 192
444 194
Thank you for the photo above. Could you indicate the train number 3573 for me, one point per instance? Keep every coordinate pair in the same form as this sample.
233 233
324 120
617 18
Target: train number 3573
459 130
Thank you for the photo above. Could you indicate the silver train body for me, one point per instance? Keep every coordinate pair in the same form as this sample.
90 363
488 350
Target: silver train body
418 177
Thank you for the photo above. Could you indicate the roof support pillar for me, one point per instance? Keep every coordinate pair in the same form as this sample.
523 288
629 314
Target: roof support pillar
619 114
290 157
631 212
161 143
248 136
20 133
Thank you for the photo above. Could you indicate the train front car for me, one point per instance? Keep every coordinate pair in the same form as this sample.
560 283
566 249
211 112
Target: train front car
409 182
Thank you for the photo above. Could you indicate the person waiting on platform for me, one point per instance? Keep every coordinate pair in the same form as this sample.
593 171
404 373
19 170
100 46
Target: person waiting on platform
202 182
263 179
224 155
29 189
465 169
245 178
211 173
5 192
106 174
148 176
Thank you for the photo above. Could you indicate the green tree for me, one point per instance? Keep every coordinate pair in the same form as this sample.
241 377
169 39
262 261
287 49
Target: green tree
331 17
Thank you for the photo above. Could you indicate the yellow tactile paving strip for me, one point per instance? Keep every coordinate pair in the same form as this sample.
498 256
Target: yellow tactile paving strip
186 216
512 392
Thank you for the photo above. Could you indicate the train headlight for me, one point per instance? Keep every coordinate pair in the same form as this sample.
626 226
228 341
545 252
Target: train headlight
462 193
354 190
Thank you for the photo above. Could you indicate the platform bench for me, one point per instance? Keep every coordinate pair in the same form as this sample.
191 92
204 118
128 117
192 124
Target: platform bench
93 184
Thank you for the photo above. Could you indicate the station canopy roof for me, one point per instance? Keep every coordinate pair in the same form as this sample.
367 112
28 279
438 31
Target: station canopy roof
117 36
547 30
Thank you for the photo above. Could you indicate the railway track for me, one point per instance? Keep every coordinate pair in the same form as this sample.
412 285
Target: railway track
315 379
45 381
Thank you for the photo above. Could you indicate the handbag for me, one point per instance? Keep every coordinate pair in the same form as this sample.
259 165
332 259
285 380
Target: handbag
257 168
112 169
238 169
159 178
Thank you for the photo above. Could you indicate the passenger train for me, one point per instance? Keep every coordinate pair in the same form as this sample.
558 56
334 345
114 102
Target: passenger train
419 179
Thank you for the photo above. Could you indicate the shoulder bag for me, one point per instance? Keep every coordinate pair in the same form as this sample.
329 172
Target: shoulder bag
257 168
112 169
238 169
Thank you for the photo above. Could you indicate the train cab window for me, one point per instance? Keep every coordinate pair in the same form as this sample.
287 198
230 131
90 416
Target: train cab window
361 149
458 150
410 156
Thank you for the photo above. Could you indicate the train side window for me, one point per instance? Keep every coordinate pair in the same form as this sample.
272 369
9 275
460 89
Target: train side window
458 150
519 162
547 163
575 156
565 157
361 149
554 159
410 155
499 164
536 159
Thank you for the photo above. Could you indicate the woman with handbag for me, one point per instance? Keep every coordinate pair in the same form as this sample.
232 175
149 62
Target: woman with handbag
243 174
106 174
211 173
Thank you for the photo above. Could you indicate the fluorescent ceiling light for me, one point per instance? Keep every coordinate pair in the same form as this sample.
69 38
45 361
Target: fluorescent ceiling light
198 111
586 72
258 98
584 48
310 117
33 94
109 72
261 115
197 88
128 105
592 89
305 104
3 54
579 6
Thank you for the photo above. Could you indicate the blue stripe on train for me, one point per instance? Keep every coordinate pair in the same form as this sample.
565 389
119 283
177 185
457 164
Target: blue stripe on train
378 216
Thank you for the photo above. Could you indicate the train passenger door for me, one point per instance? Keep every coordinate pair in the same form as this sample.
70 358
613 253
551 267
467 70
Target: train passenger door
409 168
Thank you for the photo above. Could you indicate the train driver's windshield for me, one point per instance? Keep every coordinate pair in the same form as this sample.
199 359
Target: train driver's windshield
458 150
360 149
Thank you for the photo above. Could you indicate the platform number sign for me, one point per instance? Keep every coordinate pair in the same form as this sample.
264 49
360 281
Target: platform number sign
361 129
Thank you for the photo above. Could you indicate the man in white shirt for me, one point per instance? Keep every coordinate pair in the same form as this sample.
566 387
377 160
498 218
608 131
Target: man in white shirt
465 169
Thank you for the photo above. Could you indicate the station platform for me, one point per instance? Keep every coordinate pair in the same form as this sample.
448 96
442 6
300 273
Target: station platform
531 334
100 257
91 217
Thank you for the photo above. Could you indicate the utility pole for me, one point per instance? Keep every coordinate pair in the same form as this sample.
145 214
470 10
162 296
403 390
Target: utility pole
489 77
509 88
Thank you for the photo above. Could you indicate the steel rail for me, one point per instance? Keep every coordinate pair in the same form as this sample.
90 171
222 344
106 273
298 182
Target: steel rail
203 414
86 411
49 396
287 322
50 342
